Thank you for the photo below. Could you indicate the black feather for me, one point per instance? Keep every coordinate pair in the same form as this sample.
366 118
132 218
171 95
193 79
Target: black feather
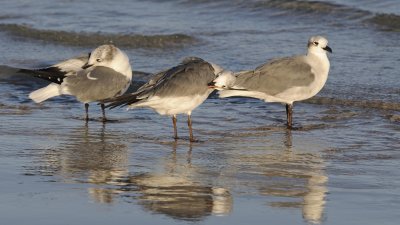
52 74
120 101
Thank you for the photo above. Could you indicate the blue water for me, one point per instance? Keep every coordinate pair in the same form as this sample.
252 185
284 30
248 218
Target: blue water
340 167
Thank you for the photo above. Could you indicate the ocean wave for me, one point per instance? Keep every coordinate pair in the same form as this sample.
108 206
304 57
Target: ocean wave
373 104
389 22
94 39
312 7
5 17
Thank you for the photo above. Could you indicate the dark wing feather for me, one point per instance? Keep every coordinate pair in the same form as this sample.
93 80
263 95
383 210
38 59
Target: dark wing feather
120 101
131 98
56 73
188 78
52 74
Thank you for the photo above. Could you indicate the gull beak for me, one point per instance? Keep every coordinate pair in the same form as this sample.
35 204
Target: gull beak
87 65
211 84
327 48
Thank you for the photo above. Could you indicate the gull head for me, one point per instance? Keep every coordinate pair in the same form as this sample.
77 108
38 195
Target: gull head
223 80
318 44
101 56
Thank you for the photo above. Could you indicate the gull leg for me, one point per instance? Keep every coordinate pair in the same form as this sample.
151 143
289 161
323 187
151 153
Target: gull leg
289 113
103 111
175 129
191 138
87 111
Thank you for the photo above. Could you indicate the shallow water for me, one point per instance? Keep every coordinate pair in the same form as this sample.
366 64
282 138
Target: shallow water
339 166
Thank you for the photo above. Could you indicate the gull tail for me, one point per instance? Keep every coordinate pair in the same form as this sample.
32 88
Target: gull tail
45 93
121 101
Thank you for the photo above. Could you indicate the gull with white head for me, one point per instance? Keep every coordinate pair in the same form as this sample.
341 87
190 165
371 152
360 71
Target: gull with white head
104 73
284 80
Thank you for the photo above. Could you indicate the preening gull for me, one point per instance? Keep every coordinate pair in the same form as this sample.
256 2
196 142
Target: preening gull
104 73
178 90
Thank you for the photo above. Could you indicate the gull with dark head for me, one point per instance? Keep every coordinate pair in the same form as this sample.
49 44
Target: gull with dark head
178 90
285 80
104 73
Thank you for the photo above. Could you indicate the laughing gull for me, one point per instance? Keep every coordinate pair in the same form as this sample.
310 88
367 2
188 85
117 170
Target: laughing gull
103 74
177 90
284 80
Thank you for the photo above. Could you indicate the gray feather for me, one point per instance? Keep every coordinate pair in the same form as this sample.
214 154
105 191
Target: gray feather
187 79
102 83
277 76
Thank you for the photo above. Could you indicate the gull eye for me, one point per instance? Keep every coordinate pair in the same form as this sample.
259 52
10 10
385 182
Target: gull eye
315 43
99 60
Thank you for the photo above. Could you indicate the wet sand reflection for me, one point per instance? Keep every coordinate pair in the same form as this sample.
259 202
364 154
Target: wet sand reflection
99 158
89 155
289 174
294 178
173 191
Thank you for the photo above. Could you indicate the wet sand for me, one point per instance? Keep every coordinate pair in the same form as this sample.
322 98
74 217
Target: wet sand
244 169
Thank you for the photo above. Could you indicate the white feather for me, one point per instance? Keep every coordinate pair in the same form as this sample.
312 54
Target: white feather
251 94
45 93
173 105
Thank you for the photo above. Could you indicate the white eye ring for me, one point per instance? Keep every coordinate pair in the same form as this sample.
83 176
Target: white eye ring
315 43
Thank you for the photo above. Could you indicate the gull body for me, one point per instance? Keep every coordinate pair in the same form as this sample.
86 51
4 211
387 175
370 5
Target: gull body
284 80
178 90
104 73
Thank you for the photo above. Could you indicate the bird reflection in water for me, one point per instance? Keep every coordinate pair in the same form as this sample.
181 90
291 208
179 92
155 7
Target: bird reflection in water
106 163
293 177
298 178
175 192
101 159
90 155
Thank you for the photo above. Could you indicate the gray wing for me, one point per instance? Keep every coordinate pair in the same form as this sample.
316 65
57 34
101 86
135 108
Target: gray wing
152 82
277 76
160 76
191 77
101 83
188 78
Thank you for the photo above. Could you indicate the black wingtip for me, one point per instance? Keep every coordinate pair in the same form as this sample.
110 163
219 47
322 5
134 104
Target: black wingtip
52 74
121 101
